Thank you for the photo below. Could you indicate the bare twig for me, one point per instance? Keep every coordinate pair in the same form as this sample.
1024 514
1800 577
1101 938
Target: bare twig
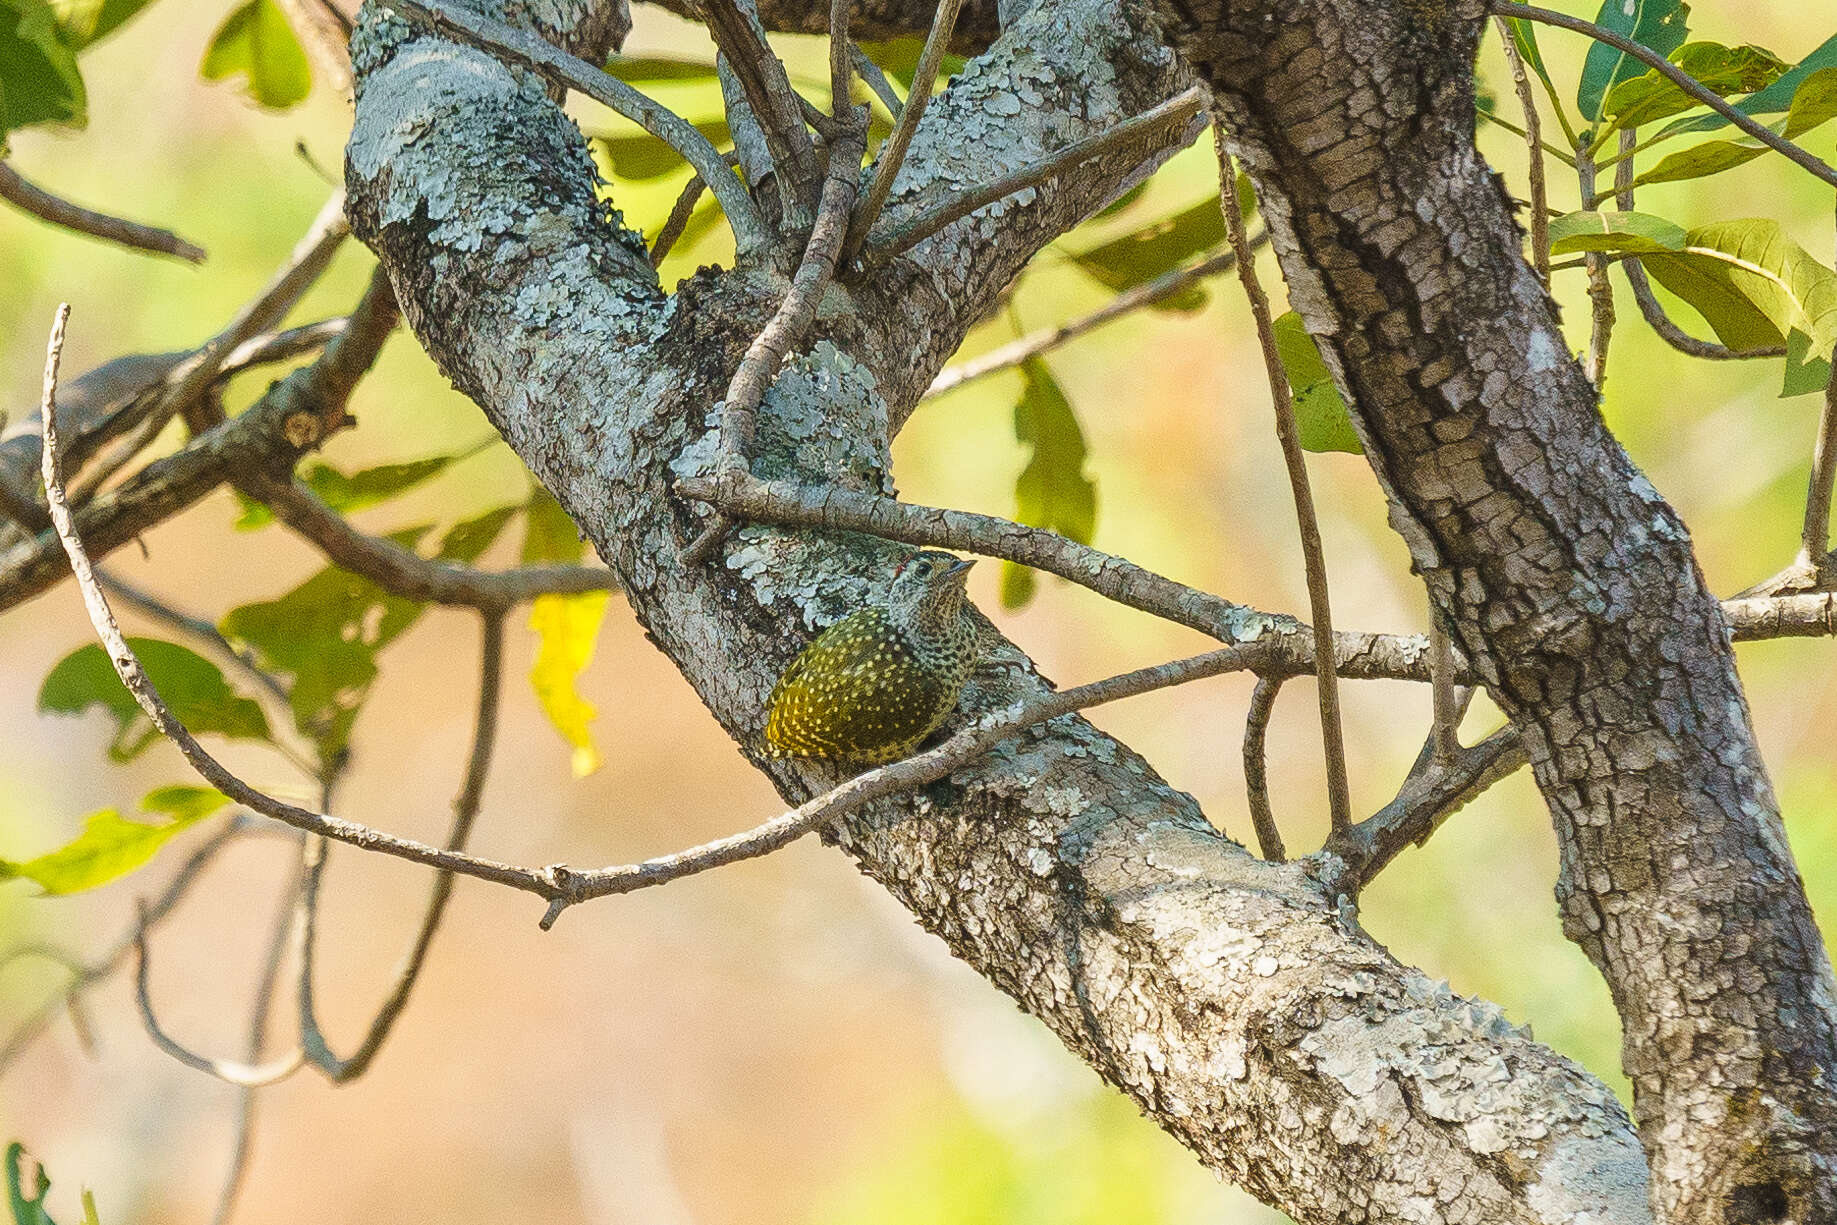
230 1071
1016 352
750 231
957 751
86 974
269 692
775 105
47 207
1339 800
244 1128
1429 796
1256 773
1448 707
876 80
465 813
1534 150
739 410
1683 80
1600 289
677 221
841 67
1365 656
1815 538
308 261
1141 130
1675 336
892 154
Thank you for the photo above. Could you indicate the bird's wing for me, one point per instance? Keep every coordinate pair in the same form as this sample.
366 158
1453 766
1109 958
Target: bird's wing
854 690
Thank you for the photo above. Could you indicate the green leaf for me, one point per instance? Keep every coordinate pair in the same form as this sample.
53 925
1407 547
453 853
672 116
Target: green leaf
325 635
1772 100
1805 372
39 80
1752 284
465 542
1593 231
1722 70
1813 105
256 40
1052 491
110 846
25 1211
1123 263
193 687
641 156
1659 25
1322 422
364 488
653 68
567 627
83 22
549 535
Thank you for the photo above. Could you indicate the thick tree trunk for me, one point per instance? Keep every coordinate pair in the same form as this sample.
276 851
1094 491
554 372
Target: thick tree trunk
1568 580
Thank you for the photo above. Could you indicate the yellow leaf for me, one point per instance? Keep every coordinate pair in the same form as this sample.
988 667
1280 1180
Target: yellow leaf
568 625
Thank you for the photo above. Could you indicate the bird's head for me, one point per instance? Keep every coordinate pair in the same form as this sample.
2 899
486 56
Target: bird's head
929 581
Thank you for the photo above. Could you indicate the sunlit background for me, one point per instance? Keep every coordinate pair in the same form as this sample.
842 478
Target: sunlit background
777 1041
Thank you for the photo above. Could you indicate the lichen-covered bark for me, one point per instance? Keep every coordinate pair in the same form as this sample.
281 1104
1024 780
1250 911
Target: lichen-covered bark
1234 1000
1568 580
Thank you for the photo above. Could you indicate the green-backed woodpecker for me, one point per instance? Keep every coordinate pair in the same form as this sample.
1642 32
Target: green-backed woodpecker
872 686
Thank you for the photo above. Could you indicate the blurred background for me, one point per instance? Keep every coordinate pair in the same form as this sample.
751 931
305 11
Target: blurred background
776 1041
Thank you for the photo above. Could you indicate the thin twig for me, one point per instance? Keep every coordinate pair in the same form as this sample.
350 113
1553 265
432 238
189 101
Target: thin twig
785 329
775 105
1339 799
234 1072
841 66
678 220
86 975
269 692
1256 773
892 154
1446 736
954 753
1364 656
465 813
750 230
1675 336
1149 293
1144 129
305 264
243 1144
1815 538
1534 150
876 80
1600 289
47 207
1678 77
1429 796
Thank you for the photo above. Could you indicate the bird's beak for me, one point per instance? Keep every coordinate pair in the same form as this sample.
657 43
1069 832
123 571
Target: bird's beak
960 568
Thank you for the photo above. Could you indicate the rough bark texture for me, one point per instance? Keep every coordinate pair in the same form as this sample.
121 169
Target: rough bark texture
1236 1001
1569 581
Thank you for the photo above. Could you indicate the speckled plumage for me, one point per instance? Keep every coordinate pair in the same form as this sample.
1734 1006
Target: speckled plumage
876 683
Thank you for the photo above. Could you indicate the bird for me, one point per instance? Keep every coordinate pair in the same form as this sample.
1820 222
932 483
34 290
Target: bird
872 686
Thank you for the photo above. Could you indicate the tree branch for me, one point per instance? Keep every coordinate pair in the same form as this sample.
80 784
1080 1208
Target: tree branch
465 814
1313 555
775 105
1127 141
524 48
1678 77
1534 152
1256 774
47 207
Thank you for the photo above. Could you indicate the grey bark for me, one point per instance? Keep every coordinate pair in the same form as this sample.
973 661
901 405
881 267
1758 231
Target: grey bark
1567 579
1236 1001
